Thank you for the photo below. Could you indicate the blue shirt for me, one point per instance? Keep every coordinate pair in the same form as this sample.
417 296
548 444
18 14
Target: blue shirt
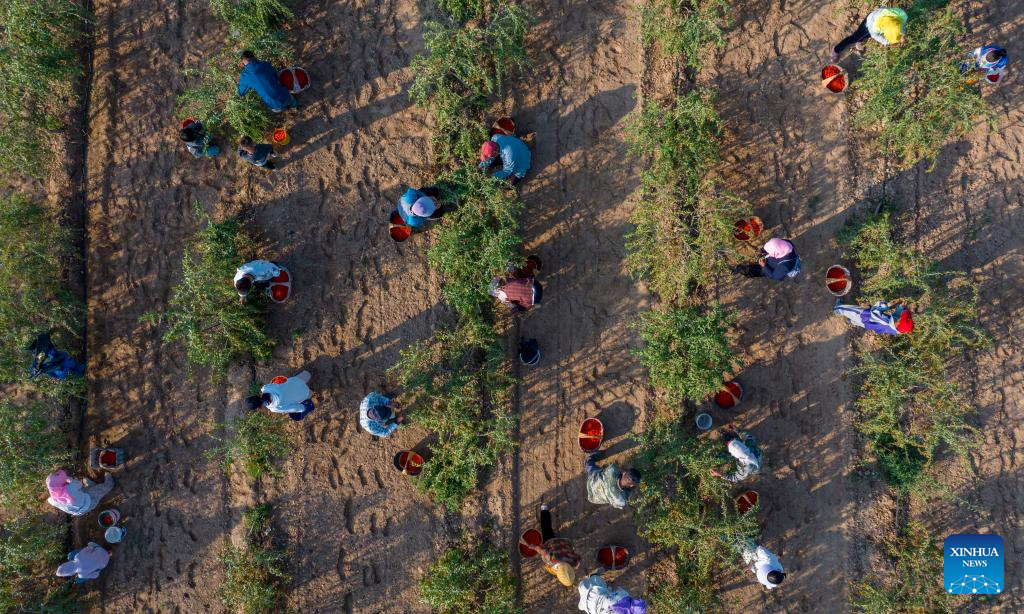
405 208
261 78
258 157
515 156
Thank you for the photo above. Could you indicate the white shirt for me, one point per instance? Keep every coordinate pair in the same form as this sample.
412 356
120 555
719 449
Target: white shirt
287 398
82 503
261 270
596 597
763 563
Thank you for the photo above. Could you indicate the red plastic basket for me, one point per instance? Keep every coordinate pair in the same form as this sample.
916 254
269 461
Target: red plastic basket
746 501
613 557
295 79
528 543
729 396
833 78
749 229
591 434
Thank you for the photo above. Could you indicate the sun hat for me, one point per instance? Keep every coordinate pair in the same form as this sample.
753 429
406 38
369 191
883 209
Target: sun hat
906 323
891 28
488 150
423 207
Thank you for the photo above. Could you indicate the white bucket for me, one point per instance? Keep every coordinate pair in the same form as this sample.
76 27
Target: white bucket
704 421
113 535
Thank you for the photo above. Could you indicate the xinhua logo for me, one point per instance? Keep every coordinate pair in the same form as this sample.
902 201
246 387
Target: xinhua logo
973 564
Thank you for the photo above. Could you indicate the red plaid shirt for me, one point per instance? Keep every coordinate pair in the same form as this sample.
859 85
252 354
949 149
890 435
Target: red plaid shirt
558 550
519 291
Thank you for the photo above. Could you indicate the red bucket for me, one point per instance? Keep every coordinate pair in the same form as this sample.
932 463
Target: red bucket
746 501
281 286
400 231
409 463
528 543
591 434
188 121
729 396
613 557
833 78
108 457
837 280
280 379
294 79
748 230
505 125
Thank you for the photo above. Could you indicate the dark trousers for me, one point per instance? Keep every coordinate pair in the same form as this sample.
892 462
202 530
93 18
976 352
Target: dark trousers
546 532
859 36
750 270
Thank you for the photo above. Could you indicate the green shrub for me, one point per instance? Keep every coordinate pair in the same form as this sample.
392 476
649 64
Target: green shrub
39 63
205 313
683 221
916 586
33 250
686 351
682 508
461 10
256 522
684 27
458 384
914 97
908 403
255 25
254 579
214 100
29 450
460 68
470 579
253 441
30 549
477 238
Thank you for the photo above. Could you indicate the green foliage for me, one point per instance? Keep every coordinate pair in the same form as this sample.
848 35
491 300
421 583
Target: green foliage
254 579
686 351
253 441
459 385
255 25
909 405
205 313
477 238
683 220
461 10
684 27
460 68
33 249
30 549
29 450
916 586
256 522
682 508
39 63
468 579
214 100
914 96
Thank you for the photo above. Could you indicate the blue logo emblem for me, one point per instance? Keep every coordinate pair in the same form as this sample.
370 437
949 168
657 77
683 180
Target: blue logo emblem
973 564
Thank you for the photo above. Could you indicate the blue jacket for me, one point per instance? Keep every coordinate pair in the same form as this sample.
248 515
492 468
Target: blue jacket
780 268
515 156
261 78
405 208
258 157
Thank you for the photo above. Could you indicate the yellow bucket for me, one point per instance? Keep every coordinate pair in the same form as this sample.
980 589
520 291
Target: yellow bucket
280 137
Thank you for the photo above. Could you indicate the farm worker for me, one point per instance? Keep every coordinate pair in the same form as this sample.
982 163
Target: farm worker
560 560
881 317
257 154
778 261
255 274
76 497
417 207
285 395
378 415
48 360
261 78
596 597
989 61
885 25
519 289
609 486
742 446
86 563
198 141
764 564
513 154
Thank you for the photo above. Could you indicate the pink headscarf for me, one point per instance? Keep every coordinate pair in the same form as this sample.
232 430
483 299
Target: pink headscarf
777 248
57 483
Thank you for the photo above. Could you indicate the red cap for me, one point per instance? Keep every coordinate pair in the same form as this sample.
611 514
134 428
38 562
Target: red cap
488 150
905 325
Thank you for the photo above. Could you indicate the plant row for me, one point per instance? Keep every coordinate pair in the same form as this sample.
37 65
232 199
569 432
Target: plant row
255 576
910 408
256 25
914 98
682 241
40 63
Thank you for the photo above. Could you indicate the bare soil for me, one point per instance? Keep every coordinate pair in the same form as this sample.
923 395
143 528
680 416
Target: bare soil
357 533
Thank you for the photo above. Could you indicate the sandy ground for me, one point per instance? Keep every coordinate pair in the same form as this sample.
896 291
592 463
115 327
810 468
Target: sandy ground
357 533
